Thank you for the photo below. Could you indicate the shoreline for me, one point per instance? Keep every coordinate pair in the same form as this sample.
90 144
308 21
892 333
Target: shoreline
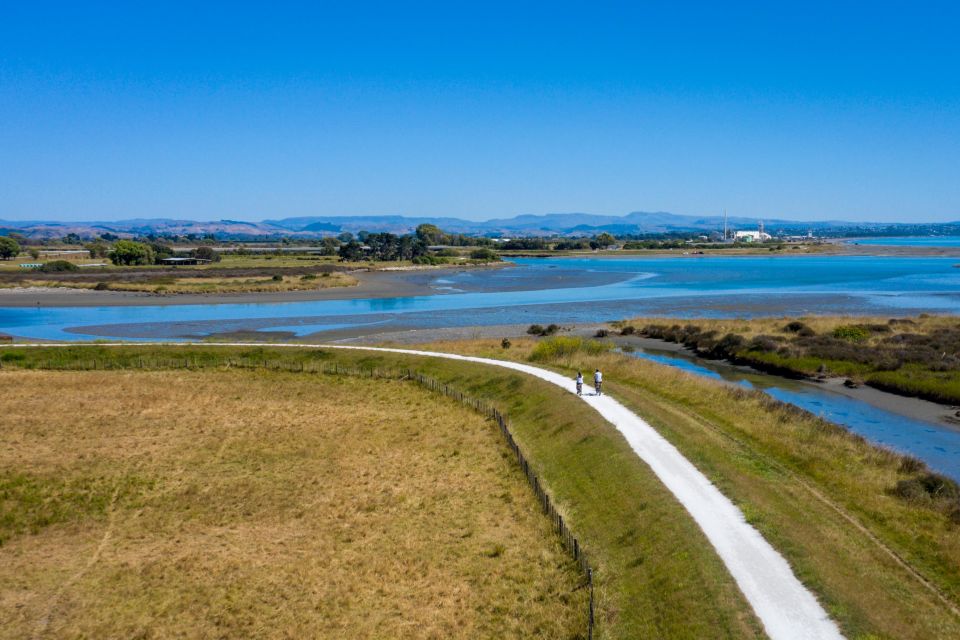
371 284
403 281
909 407
828 248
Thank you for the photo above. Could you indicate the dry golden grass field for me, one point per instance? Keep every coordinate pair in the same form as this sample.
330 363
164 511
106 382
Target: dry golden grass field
224 504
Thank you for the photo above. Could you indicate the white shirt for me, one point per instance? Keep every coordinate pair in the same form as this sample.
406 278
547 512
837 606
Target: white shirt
598 377
579 379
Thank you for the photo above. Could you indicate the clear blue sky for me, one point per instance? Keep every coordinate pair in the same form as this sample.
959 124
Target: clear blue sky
249 111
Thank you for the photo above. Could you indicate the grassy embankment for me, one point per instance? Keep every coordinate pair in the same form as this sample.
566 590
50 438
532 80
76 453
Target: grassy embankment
910 356
655 574
873 533
264 504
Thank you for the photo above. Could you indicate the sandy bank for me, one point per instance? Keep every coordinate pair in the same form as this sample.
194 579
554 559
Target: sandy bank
372 284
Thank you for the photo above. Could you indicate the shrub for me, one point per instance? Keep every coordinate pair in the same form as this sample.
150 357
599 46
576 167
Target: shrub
658 332
309 276
55 266
540 330
601 333
939 486
488 255
566 346
431 260
900 321
628 330
731 342
277 278
851 333
929 485
763 343
101 286
909 464
910 490
800 329
206 253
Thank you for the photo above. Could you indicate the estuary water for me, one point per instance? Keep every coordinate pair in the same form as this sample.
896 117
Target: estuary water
579 290
911 241
936 444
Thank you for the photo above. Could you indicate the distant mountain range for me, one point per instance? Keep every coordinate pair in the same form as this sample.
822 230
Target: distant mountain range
553 224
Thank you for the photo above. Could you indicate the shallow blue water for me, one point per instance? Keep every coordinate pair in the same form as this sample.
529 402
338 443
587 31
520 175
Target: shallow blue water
935 444
911 241
681 286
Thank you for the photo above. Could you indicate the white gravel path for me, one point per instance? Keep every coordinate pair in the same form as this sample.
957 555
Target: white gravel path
787 609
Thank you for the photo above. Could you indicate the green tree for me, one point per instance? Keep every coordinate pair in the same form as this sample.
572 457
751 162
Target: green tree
129 252
97 249
330 246
9 248
603 241
160 251
351 252
431 234
206 253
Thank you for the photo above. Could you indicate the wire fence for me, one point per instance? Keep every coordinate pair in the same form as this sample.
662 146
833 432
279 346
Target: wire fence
567 537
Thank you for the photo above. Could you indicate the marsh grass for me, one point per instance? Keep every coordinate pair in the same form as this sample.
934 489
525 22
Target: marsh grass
224 503
565 347
911 356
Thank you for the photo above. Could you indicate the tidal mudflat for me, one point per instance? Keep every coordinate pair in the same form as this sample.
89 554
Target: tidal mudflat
562 290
